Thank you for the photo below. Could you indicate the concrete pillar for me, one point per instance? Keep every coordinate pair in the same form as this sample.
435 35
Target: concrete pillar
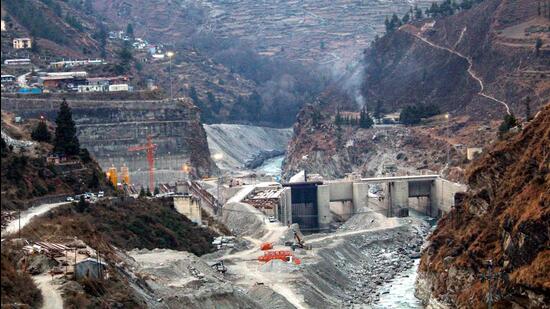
288 207
443 196
399 198
435 199
360 196
323 207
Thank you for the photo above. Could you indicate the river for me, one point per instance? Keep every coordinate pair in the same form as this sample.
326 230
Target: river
399 293
271 167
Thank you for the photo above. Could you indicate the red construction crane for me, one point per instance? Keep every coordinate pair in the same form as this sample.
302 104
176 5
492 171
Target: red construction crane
150 150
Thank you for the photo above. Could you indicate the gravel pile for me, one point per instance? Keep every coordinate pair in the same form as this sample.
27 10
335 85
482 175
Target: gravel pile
278 266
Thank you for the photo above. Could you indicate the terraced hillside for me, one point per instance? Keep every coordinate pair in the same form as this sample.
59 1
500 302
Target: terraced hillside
307 31
482 62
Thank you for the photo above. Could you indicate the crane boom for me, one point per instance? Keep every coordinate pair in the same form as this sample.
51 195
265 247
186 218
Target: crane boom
150 151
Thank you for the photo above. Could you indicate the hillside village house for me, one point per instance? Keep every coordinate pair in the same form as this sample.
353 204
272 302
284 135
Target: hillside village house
8 78
91 88
73 63
90 268
3 26
22 43
54 80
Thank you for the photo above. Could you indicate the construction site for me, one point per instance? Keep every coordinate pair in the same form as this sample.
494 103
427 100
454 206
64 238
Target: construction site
304 244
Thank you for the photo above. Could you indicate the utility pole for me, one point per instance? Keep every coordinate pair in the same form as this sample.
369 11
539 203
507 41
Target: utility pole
491 278
170 54
218 195
98 265
66 263
19 212
74 266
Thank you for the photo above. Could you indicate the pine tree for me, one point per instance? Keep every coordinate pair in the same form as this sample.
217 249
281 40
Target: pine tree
338 118
406 18
338 135
508 122
130 31
125 58
365 121
65 131
538 45
41 133
156 191
418 13
378 110
142 192
82 205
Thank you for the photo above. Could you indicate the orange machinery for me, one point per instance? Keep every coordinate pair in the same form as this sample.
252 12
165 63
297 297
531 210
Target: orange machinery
150 151
266 246
283 255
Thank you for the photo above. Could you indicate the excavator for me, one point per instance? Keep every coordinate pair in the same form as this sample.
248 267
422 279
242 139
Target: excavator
299 242
219 266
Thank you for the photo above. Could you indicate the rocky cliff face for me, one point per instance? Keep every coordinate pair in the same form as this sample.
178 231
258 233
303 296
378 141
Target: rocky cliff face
505 218
320 146
109 128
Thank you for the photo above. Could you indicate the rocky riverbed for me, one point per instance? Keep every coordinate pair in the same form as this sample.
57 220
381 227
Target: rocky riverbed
357 267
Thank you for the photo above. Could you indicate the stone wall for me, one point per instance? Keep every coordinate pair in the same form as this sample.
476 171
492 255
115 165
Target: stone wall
108 128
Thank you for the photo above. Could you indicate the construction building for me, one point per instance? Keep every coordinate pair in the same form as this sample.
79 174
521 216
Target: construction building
269 199
22 43
73 63
90 268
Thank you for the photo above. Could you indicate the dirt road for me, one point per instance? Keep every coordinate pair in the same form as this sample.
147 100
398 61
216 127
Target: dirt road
27 215
470 65
50 294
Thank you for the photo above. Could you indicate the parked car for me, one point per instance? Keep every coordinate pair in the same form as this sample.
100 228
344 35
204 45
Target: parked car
100 194
272 219
70 199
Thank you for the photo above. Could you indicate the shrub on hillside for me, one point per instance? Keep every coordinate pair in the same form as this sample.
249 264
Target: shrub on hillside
17 286
41 133
411 115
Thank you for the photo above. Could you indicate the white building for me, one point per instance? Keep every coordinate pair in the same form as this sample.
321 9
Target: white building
23 61
73 63
119 87
8 78
3 26
74 74
22 43
90 88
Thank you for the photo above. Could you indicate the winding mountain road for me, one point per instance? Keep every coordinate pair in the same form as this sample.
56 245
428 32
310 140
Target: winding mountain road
25 217
470 65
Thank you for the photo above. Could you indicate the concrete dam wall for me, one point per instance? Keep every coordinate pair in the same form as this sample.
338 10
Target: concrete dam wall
108 128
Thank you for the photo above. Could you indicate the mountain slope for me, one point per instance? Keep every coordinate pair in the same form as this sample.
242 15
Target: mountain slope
58 28
472 68
504 217
28 177
469 63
